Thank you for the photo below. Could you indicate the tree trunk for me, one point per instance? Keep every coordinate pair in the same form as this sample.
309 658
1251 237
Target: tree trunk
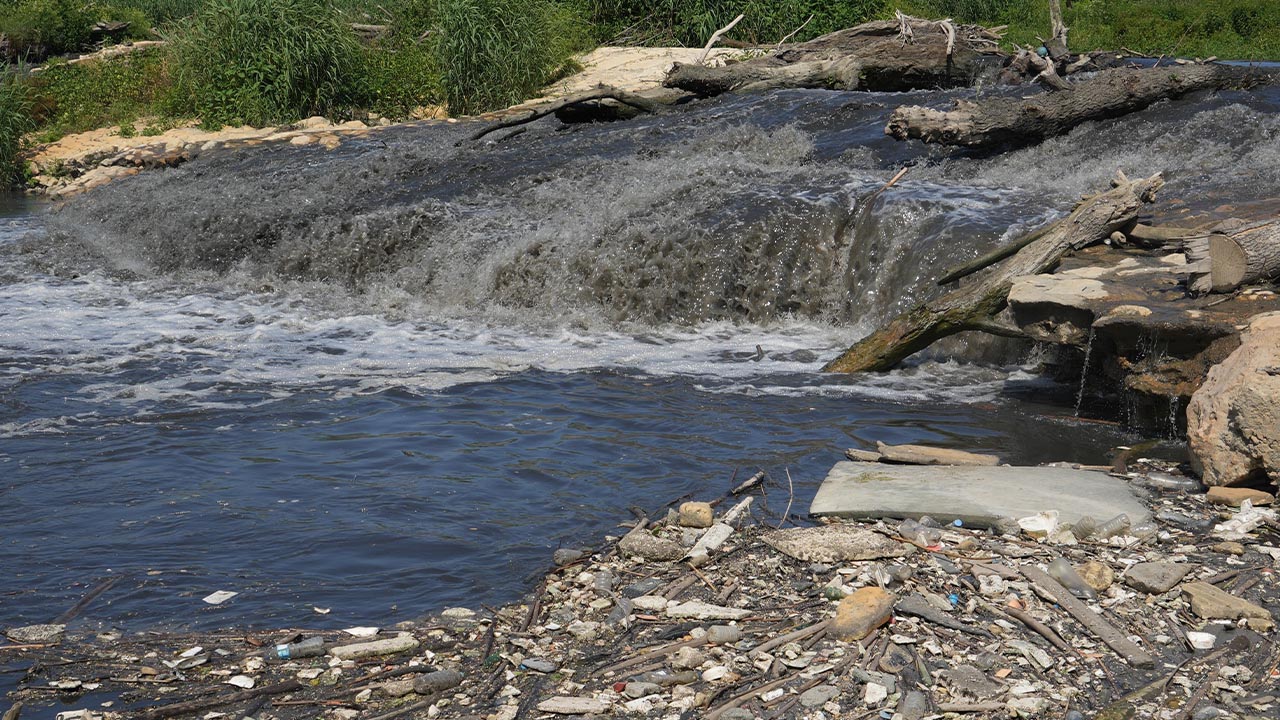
884 55
975 307
1110 93
1223 261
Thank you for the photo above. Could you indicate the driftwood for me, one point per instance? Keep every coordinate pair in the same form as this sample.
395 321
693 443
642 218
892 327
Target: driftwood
1224 260
887 55
640 103
1106 632
1110 93
975 307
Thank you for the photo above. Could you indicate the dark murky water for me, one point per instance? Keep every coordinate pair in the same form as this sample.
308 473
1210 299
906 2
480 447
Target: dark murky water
394 377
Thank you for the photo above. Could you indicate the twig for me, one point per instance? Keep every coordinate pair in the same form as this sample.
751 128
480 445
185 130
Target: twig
706 50
792 34
791 496
985 707
749 483
89 597
791 637
186 708
1108 633
1045 631
651 655
412 707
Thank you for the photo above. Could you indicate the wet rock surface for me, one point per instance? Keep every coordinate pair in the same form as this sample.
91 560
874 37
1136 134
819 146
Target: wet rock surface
961 627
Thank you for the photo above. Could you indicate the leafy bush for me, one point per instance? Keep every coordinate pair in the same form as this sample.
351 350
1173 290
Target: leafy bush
493 53
15 123
37 28
139 23
162 12
87 95
692 22
263 62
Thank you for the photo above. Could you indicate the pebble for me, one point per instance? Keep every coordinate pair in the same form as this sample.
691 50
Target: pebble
650 603
967 680
687 658
874 694
1234 496
641 689
1096 575
913 706
641 588
1228 548
564 556
696 515
819 695
862 612
650 547
1031 706
541 665
436 682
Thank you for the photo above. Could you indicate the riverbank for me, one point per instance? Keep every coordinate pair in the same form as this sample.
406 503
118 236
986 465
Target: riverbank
711 611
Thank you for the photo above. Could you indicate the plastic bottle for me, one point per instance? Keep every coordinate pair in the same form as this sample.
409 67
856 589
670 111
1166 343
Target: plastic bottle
1062 571
1118 525
919 533
1084 527
311 647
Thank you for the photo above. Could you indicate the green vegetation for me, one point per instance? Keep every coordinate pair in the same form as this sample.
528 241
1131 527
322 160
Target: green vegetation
84 96
36 28
260 62
495 53
15 123
691 22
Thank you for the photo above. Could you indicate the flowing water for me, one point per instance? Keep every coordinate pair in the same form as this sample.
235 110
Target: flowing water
394 377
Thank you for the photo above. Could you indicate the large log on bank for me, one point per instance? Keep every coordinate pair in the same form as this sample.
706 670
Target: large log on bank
886 55
1110 93
1223 261
975 307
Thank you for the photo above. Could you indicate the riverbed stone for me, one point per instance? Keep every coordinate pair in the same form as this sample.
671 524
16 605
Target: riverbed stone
696 515
969 681
566 705
1211 603
835 543
650 547
36 634
819 695
1233 420
1229 547
564 556
862 612
1154 578
1097 575
978 496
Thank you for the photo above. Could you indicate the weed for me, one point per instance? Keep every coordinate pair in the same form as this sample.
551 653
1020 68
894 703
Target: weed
77 97
15 123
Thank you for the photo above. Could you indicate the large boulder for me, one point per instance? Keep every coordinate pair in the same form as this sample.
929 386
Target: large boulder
1233 420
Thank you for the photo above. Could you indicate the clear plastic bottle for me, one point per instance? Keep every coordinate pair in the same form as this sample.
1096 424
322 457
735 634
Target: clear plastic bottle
1062 571
1118 525
1084 527
919 533
311 647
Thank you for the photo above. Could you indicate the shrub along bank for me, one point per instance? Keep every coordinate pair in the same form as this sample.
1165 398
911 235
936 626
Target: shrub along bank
277 61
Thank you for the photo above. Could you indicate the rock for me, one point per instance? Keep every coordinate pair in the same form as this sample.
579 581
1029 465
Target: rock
641 587
696 515
1228 548
1201 640
396 688
437 682
969 681
641 689
1096 575
564 705
925 455
865 610
703 611
723 634
978 496
403 642
895 658
1030 706
1154 578
650 603
913 705
687 658
541 665
583 629
737 714
458 614
564 556
835 543
650 547
1234 496
1211 603
874 694
1233 420
36 634
819 695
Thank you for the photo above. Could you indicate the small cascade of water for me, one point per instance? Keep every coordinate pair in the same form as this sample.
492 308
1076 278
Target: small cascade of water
1084 372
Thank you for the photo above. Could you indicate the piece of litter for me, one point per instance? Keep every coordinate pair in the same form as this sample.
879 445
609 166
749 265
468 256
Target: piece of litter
219 597
241 681
322 611
191 652
361 631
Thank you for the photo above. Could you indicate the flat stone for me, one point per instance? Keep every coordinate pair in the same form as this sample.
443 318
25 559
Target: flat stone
695 515
1211 603
36 634
819 695
703 611
650 547
1234 496
925 455
835 543
858 614
650 603
969 681
1156 577
564 556
913 705
1096 575
641 587
978 496
641 689
564 705
874 694
1228 548
541 665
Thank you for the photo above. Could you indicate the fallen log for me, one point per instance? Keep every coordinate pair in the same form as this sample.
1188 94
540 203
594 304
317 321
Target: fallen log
1223 261
1110 93
637 101
975 307
886 55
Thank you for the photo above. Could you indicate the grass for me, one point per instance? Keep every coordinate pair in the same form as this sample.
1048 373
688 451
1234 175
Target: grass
494 53
84 96
262 62
15 123
691 23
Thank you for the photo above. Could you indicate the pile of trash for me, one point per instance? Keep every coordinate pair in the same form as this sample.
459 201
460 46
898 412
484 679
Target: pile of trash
709 612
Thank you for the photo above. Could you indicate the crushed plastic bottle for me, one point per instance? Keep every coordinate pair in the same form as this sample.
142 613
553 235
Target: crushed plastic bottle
1118 525
1062 571
1085 527
919 533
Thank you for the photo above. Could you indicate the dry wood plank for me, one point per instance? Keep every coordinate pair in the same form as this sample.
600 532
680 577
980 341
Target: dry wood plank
1223 261
1092 621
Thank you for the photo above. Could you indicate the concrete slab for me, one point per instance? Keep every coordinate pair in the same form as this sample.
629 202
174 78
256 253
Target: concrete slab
978 496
